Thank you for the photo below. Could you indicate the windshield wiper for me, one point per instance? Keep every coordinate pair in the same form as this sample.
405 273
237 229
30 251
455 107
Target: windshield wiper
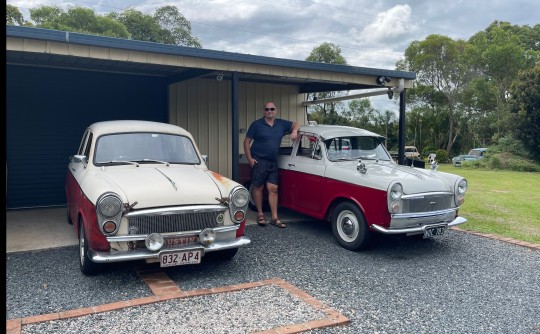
153 160
119 162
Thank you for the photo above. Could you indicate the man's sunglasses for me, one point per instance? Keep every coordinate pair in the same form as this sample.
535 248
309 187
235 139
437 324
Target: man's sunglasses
269 109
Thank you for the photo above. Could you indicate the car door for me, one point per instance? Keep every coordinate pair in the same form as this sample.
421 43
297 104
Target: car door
302 182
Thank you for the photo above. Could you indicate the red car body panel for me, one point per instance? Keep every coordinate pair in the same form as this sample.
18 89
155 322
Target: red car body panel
314 195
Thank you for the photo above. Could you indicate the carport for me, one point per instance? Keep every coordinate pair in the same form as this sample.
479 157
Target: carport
59 82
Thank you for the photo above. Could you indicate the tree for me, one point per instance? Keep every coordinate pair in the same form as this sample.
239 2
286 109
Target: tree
525 106
441 76
327 112
497 55
78 19
170 19
14 16
166 26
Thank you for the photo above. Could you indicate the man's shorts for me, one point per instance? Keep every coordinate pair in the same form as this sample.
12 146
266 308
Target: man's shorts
264 171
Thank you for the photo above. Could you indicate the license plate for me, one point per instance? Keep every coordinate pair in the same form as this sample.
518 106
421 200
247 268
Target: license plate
433 231
171 259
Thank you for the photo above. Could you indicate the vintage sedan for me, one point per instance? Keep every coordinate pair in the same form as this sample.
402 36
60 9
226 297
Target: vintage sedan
474 155
361 190
140 190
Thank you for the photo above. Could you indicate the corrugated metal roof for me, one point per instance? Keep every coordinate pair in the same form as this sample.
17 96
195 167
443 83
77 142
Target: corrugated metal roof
84 39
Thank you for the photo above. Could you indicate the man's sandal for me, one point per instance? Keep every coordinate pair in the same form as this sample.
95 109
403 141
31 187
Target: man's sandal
261 220
278 223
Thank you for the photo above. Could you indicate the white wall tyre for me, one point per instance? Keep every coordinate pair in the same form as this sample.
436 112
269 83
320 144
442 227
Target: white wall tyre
350 228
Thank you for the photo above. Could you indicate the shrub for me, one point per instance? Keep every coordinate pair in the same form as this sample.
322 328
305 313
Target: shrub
442 156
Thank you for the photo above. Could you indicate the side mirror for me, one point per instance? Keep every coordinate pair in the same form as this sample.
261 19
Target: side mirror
79 158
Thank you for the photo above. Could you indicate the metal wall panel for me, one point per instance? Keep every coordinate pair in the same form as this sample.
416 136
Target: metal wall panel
203 107
47 111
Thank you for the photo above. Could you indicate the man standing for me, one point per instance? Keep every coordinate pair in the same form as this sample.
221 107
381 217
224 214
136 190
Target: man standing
265 133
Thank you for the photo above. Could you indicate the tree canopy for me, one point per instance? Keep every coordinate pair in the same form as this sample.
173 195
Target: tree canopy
167 25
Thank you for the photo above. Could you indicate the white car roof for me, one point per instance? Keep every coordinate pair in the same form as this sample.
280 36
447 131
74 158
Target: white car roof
106 127
332 131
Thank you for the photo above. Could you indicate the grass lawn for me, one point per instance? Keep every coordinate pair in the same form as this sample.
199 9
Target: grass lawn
504 203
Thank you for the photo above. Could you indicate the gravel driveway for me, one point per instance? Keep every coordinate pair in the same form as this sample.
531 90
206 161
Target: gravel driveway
458 283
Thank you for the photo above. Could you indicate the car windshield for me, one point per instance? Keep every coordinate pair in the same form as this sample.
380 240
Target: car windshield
145 147
358 147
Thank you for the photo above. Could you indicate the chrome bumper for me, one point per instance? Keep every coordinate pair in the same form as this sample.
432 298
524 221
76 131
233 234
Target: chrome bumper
417 229
144 254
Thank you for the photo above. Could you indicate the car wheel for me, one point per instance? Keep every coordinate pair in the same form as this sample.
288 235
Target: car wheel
350 228
87 266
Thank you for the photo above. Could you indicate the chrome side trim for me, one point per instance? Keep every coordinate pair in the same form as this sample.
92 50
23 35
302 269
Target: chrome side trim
430 194
143 254
135 237
457 221
176 209
419 215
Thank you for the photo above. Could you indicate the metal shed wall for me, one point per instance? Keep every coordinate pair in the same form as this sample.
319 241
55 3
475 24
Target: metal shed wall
47 111
203 107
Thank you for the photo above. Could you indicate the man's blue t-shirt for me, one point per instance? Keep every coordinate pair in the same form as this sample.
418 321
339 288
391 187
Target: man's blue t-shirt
266 138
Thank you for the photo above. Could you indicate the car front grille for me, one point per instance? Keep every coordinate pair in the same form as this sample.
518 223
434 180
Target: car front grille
174 222
427 203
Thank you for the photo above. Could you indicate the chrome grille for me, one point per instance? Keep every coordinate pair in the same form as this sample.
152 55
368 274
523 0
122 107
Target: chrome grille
177 222
427 203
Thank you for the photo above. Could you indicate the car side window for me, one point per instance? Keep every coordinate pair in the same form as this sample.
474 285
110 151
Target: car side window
83 142
309 147
88 145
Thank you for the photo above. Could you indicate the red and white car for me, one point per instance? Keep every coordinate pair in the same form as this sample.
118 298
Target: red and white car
346 176
139 190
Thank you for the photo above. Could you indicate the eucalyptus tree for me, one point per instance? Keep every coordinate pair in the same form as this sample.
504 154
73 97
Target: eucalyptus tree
497 55
525 107
167 25
440 77
328 53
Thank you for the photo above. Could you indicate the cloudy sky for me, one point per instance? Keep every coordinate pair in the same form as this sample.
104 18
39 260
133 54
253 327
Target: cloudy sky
370 33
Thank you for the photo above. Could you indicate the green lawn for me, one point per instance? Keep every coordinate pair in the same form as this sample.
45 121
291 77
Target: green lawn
504 203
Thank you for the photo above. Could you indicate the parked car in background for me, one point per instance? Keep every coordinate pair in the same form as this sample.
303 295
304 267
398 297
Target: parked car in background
362 191
473 155
139 190
411 152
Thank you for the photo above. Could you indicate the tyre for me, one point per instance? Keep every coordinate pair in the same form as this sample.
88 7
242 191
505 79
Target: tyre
350 228
87 266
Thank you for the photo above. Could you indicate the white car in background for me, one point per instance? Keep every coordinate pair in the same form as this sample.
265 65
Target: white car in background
139 190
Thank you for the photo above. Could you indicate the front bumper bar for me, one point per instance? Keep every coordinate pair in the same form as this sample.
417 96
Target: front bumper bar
417 229
144 254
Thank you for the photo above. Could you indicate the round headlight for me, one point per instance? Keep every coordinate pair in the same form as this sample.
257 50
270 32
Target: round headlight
462 186
240 197
396 191
109 205
154 241
207 236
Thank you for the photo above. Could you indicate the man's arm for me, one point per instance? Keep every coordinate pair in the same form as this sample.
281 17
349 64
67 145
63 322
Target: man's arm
247 151
294 131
